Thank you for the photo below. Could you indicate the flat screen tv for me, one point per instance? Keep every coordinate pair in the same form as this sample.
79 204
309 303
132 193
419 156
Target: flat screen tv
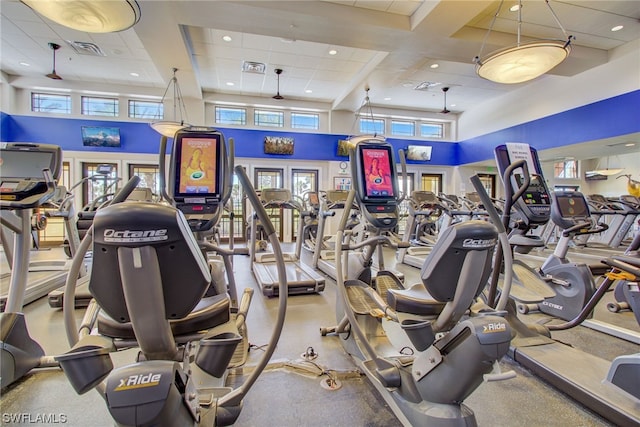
420 153
100 136
278 145
343 148
377 172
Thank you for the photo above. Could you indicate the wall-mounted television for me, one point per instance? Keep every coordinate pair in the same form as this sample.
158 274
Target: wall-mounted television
100 136
421 153
278 145
343 148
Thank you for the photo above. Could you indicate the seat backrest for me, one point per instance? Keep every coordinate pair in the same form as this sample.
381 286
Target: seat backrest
460 258
183 270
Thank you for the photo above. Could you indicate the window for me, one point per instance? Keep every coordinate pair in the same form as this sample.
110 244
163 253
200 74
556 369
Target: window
305 121
403 128
145 109
100 106
231 116
100 184
268 118
431 182
489 183
432 130
149 176
50 103
374 126
566 169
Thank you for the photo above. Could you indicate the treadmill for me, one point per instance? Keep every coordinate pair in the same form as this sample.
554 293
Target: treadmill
586 378
301 279
22 173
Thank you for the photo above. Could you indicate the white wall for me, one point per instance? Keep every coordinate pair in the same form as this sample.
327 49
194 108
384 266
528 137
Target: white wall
554 94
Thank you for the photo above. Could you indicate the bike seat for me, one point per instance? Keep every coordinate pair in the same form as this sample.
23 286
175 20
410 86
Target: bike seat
414 300
208 313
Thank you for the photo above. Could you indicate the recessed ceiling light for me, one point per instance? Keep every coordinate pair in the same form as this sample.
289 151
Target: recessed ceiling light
24 64
227 38
134 74
452 105
230 84
631 144
387 99
434 65
333 52
617 28
308 91
514 8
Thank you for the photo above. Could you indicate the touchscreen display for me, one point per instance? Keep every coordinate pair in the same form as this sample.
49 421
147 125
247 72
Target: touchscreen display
376 163
572 206
198 161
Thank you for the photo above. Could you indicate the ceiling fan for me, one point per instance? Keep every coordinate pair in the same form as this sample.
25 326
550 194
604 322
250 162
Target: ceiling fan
277 95
53 75
444 110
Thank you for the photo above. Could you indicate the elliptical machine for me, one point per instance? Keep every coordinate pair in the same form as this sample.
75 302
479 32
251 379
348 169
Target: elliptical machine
152 288
29 174
416 345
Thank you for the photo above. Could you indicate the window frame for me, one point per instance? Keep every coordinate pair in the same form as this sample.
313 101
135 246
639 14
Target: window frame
403 122
89 99
66 99
373 122
218 119
440 126
159 114
259 112
314 126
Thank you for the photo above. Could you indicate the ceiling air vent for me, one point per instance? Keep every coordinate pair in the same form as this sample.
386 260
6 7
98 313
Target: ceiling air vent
86 48
426 85
253 67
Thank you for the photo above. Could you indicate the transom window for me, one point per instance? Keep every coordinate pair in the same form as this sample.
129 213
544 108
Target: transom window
231 116
145 109
432 130
305 121
374 126
50 103
403 128
268 118
100 106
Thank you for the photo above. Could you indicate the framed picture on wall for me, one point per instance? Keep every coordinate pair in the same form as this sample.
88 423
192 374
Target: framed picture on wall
341 183
278 145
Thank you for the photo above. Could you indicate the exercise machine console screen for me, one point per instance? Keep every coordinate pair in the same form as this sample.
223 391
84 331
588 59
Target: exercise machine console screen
375 183
197 170
23 168
572 205
535 203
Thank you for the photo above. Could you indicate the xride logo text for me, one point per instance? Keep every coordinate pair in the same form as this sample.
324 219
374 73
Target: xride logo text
138 381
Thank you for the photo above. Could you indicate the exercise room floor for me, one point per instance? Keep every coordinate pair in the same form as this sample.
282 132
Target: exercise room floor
289 392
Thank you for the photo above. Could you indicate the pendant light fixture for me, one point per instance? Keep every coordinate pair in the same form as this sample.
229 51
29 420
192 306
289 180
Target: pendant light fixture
169 128
277 95
444 109
89 16
53 75
524 61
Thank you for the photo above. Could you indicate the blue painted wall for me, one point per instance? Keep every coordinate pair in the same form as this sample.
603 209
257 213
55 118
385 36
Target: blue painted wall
140 138
611 117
